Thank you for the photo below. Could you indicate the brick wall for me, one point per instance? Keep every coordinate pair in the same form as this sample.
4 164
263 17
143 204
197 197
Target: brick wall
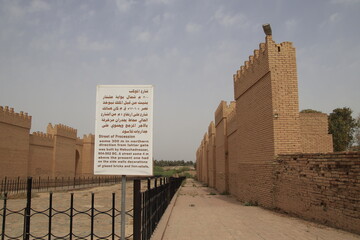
232 151
87 158
320 187
263 122
204 168
14 142
285 100
221 143
41 153
314 133
64 154
211 155
255 126
56 153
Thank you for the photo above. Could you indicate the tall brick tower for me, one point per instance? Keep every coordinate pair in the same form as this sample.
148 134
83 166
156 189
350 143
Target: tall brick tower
267 115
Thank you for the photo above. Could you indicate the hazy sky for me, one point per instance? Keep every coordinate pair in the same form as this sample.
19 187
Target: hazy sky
54 53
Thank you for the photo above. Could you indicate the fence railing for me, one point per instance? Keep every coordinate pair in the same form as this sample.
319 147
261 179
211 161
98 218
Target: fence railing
148 207
18 185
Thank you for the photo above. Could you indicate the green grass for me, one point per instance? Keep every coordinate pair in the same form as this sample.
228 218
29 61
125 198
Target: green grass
251 203
161 172
22 195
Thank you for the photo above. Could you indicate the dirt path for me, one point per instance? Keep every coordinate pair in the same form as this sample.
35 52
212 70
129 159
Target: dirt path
201 213
81 221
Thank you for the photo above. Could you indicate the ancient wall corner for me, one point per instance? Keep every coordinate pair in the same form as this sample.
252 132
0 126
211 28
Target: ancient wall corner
87 160
62 130
9 116
211 154
285 99
314 133
66 158
14 142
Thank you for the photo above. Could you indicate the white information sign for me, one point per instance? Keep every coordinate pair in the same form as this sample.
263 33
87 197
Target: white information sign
123 131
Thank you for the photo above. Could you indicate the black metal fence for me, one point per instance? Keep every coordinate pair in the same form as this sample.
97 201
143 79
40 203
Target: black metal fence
153 203
18 185
148 207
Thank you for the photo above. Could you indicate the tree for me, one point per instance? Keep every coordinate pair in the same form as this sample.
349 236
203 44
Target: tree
309 111
357 133
342 126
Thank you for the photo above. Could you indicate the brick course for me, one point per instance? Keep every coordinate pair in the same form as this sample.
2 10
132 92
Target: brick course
270 154
58 152
320 187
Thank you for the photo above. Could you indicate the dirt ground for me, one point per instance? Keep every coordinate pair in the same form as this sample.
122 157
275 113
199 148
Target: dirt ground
81 221
200 212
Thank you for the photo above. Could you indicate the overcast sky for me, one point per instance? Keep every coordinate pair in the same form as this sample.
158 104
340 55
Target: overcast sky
54 53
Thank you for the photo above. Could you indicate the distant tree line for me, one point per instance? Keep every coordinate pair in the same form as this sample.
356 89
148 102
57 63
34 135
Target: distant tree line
165 163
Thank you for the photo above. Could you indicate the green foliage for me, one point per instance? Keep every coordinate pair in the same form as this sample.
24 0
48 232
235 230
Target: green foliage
161 172
357 134
309 111
342 126
163 163
251 203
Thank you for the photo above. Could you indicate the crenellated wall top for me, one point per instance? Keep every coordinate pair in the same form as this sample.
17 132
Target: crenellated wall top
211 129
42 139
89 138
223 111
259 64
9 116
62 130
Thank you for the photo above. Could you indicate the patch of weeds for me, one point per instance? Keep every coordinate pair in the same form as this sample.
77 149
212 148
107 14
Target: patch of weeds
22 195
225 193
251 203
212 193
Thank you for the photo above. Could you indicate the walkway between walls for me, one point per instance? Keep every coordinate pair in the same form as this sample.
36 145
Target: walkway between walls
199 212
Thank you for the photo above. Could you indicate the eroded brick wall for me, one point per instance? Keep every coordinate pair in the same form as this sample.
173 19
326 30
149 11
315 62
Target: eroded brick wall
320 187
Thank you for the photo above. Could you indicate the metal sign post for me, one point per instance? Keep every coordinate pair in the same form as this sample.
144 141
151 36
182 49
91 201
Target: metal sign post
123 209
123 134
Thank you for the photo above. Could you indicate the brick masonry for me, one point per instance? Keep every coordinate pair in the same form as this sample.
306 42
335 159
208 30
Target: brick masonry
58 152
267 152
320 187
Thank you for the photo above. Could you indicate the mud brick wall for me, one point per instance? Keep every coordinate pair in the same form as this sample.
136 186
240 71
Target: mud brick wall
314 133
211 155
58 152
320 187
14 142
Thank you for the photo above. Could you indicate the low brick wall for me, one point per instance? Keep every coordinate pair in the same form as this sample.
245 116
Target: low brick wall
320 187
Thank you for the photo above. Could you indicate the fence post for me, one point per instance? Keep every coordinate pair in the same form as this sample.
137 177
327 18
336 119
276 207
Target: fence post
4 188
137 210
28 209
4 218
17 184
